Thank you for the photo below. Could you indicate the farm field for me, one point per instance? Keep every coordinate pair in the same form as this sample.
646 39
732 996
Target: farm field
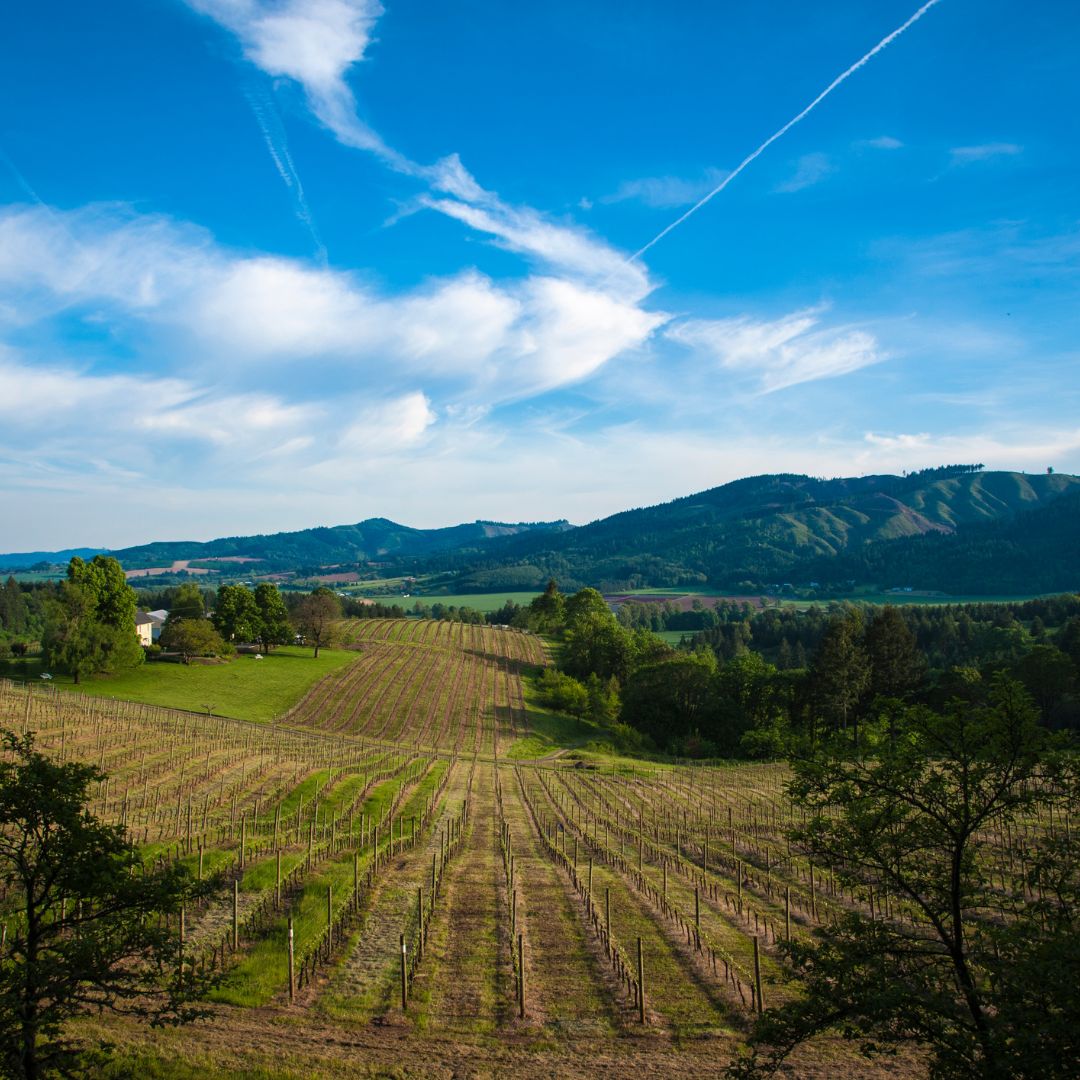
417 794
243 688
484 602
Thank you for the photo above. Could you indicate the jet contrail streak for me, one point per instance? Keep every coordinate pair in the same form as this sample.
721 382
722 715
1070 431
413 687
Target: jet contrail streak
788 126
276 143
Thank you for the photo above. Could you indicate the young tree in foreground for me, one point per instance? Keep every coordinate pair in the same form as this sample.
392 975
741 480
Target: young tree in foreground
981 972
89 929
316 617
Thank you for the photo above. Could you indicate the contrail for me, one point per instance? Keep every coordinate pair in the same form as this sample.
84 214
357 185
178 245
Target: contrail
788 126
277 144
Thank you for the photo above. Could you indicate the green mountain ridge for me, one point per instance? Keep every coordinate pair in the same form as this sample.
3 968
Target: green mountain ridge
778 528
956 529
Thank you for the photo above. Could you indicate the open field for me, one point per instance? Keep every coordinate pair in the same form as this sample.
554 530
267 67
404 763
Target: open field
418 790
484 602
243 688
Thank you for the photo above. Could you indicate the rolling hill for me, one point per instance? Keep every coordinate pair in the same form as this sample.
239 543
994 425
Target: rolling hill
955 529
769 529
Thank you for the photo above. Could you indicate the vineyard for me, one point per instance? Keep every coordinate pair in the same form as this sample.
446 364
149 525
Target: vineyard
383 863
441 686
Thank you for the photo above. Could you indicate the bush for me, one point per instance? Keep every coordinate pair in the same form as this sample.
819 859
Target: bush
563 692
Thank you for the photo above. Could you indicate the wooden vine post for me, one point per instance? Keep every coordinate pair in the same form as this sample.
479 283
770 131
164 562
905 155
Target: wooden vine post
404 982
641 983
757 977
292 965
521 976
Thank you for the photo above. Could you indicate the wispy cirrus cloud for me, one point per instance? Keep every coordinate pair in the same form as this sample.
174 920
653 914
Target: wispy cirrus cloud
966 155
664 192
811 169
883 142
780 353
315 43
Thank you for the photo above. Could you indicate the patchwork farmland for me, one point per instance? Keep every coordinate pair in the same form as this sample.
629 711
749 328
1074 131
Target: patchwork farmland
451 910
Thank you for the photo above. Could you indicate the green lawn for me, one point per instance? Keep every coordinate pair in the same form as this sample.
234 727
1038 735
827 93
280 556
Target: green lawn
244 688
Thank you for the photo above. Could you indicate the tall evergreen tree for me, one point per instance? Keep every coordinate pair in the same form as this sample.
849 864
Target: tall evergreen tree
840 672
896 667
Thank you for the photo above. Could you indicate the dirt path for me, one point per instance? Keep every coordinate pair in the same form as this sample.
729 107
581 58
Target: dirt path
471 984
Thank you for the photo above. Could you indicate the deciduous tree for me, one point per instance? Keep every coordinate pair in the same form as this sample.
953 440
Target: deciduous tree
194 637
316 617
274 626
236 617
90 925
982 976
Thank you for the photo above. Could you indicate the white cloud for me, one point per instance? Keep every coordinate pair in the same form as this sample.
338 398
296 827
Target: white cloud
965 155
99 254
390 426
1020 448
783 352
221 313
568 249
884 142
811 169
572 332
666 191
313 42
62 417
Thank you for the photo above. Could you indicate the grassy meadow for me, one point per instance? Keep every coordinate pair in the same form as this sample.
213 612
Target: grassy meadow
243 688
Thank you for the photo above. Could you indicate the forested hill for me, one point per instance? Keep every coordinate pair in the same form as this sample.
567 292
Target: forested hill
373 540
882 530
956 529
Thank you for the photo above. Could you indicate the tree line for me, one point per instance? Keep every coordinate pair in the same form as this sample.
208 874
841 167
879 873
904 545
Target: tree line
762 682
86 623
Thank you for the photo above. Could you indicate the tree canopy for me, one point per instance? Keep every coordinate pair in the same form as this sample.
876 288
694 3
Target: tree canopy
90 927
982 972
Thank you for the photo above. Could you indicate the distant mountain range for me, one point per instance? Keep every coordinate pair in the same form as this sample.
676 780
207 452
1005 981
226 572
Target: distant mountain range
956 529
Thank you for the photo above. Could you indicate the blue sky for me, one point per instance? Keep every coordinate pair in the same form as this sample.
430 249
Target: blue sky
267 264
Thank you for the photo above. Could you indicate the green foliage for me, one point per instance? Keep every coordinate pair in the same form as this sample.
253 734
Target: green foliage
186 603
78 642
316 616
547 613
236 615
14 611
562 692
672 701
274 625
840 671
986 980
112 599
88 932
194 637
